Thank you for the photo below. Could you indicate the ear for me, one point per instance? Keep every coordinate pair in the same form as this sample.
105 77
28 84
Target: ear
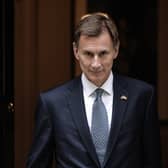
116 51
75 51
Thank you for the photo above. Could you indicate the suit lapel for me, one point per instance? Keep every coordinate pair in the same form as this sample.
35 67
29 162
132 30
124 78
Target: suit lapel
119 107
76 104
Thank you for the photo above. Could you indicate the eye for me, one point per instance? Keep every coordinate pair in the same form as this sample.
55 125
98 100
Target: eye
88 53
103 53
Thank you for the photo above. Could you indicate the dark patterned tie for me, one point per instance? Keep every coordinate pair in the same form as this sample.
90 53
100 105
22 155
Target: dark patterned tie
99 127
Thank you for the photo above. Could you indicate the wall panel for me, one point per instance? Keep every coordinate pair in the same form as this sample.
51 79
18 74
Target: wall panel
163 59
42 60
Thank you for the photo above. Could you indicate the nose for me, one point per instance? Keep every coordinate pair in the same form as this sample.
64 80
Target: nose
96 62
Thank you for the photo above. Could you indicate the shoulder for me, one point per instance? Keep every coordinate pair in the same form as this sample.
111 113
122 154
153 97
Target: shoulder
61 90
133 84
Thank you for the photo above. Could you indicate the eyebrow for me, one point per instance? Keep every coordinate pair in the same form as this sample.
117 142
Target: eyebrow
87 51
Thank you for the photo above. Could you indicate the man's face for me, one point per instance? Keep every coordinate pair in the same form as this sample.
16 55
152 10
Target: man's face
96 56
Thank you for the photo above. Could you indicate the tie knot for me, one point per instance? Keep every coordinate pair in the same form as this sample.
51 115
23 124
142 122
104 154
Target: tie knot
99 93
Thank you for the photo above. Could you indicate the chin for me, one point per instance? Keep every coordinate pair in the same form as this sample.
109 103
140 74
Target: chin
97 81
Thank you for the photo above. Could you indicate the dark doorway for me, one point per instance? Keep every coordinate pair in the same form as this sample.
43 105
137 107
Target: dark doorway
6 84
137 24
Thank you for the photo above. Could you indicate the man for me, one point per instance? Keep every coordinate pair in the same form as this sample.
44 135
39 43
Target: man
99 119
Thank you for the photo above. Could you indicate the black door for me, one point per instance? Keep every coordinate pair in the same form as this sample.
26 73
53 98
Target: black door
137 25
6 85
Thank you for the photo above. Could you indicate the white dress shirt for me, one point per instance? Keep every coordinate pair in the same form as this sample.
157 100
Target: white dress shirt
89 97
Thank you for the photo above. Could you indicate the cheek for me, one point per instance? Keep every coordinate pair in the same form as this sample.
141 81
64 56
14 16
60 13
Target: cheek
108 64
84 64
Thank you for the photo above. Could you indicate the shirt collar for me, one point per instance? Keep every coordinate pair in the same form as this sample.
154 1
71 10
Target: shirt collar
89 87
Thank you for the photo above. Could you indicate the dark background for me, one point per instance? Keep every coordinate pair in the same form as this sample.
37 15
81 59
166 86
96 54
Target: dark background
137 24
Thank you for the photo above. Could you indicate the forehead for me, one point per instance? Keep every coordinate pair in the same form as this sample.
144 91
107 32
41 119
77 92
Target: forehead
102 40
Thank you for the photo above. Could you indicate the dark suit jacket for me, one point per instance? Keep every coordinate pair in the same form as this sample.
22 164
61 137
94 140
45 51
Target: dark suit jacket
61 128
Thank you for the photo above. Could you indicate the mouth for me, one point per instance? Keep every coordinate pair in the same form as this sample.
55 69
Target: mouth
96 73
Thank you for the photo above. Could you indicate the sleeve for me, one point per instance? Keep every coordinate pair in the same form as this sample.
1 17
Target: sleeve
152 153
41 153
